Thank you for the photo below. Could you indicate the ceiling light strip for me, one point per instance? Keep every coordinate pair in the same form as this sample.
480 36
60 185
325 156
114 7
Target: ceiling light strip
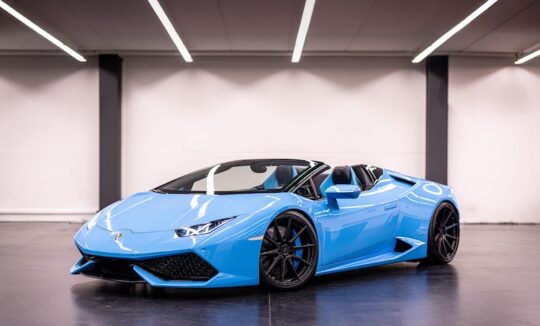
453 31
41 32
302 31
170 29
527 57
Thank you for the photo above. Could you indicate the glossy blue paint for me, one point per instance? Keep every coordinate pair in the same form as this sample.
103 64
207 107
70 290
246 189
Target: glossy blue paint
355 228
335 192
80 266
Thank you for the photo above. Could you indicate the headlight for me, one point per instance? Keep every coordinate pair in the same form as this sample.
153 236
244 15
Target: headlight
202 228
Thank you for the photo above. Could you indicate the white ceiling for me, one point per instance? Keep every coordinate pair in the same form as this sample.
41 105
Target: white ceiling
270 26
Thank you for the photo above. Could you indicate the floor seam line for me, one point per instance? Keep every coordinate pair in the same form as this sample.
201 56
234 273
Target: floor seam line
269 310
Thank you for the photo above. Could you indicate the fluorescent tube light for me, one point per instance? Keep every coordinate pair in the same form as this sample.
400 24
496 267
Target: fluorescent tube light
170 29
453 31
527 57
41 31
302 31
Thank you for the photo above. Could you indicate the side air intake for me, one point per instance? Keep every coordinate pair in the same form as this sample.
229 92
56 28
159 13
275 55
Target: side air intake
404 180
401 246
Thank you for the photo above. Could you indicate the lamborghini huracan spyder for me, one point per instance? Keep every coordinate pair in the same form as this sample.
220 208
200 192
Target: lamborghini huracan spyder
277 222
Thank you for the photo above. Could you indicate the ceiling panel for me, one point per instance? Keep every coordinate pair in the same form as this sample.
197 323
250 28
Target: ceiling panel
408 25
13 35
262 25
271 25
54 18
118 24
335 22
517 34
200 23
487 23
94 25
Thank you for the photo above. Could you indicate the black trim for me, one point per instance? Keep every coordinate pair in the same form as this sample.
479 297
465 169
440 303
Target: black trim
110 124
437 119
305 175
314 188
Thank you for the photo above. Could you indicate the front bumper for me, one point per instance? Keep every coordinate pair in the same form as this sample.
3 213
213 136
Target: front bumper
183 267
183 270
162 260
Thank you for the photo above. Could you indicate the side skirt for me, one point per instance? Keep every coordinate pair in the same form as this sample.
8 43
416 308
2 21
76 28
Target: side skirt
418 250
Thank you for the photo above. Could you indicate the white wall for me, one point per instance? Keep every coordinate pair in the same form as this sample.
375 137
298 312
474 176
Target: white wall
494 133
179 117
48 138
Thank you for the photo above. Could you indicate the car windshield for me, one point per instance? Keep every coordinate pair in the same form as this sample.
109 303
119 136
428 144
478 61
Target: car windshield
247 176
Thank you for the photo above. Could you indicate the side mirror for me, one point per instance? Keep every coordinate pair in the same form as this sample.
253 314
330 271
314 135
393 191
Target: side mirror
336 192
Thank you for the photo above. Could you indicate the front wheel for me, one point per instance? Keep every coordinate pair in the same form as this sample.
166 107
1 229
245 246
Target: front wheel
289 252
443 239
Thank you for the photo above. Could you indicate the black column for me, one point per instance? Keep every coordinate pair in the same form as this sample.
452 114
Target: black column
437 119
110 123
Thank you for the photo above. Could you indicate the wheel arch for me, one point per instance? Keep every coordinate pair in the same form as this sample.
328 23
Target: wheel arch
304 213
432 254
451 202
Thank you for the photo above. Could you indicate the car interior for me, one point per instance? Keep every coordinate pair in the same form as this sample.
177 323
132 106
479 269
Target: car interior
362 175
280 177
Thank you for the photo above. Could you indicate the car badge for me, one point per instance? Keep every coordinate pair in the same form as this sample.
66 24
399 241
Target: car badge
117 235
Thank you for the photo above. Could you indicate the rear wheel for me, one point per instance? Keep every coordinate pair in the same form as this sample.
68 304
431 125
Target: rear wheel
289 252
443 239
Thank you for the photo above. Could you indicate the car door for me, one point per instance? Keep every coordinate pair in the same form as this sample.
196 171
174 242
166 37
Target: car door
361 227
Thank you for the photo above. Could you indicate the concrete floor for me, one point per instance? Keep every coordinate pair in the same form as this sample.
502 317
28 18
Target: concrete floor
495 280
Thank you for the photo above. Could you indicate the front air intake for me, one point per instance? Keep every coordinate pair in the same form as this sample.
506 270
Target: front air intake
184 267
111 269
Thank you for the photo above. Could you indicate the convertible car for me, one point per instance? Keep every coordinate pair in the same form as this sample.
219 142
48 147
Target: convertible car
276 222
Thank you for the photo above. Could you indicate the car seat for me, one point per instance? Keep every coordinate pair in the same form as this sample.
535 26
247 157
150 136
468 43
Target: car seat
341 175
280 177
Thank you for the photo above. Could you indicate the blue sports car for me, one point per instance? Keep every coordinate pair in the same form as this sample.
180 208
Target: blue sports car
276 222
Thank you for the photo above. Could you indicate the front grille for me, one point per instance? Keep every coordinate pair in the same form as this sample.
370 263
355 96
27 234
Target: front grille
112 269
184 267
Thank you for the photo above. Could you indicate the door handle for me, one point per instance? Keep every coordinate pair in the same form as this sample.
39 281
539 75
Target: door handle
390 206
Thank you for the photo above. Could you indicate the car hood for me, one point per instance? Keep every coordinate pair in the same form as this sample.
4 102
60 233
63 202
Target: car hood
152 212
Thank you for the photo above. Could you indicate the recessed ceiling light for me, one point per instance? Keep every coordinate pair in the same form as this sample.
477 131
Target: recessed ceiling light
453 31
41 31
170 29
302 31
527 57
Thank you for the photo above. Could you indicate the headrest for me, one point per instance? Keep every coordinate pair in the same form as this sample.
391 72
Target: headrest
341 175
283 174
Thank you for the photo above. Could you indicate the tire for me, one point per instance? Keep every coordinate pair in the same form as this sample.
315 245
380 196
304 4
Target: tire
288 258
443 240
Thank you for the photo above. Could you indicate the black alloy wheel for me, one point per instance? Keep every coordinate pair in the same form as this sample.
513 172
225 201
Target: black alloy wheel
443 235
289 252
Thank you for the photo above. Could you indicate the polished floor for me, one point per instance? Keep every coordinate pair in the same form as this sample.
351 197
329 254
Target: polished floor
495 280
